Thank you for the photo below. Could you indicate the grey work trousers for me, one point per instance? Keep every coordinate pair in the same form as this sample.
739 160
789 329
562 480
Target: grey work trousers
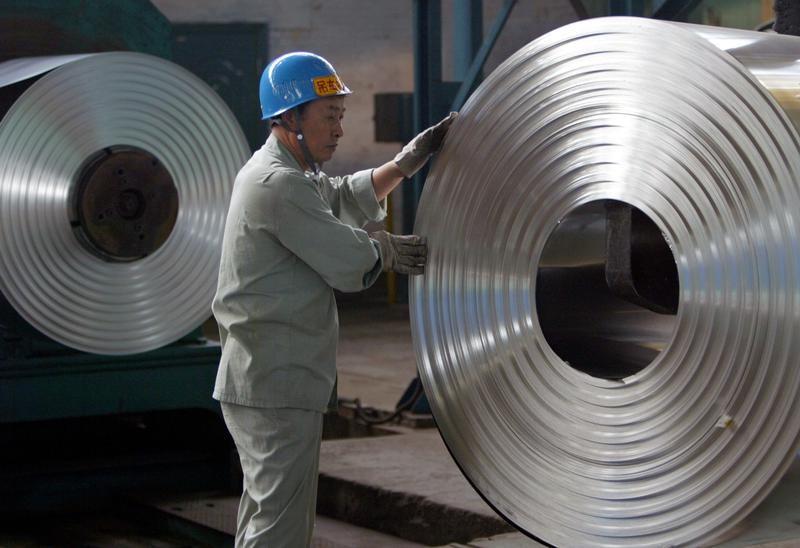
279 452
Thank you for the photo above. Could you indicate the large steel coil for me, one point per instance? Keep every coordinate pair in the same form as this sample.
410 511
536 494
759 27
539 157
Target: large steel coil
582 416
115 175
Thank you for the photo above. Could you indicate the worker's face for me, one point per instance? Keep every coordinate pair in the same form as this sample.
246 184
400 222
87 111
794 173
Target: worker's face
322 126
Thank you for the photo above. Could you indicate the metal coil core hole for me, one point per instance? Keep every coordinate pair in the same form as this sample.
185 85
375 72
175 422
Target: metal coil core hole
124 204
607 290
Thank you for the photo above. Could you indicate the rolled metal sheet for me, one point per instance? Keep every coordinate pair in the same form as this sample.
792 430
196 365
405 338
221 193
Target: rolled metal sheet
154 283
660 430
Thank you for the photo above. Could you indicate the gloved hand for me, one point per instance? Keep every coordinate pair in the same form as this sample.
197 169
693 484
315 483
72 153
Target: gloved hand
418 150
401 254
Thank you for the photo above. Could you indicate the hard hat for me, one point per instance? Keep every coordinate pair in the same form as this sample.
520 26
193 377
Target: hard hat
296 78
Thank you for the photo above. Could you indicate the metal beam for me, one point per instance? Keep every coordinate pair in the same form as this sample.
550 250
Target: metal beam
427 17
626 7
82 385
580 9
483 53
467 34
674 10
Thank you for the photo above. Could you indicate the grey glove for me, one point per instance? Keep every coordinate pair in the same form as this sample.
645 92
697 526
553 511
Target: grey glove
419 149
401 254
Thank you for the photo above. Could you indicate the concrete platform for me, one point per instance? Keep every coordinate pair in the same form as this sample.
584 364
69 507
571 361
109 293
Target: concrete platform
406 485
412 478
217 512
403 489
375 358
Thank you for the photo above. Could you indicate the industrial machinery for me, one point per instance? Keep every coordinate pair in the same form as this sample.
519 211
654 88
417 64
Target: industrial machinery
116 172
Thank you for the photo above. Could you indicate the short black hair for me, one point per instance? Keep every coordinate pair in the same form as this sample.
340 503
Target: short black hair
276 120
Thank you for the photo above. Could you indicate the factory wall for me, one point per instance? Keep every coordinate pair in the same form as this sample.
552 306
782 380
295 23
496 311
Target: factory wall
371 45
370 42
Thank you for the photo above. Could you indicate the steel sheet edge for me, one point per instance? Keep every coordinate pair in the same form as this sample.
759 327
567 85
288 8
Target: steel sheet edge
79 105
696 128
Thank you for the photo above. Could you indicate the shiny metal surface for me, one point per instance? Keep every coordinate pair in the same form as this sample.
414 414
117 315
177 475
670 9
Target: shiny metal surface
77 108
690 419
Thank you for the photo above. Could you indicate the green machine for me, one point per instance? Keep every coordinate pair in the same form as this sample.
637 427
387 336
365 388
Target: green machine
42 378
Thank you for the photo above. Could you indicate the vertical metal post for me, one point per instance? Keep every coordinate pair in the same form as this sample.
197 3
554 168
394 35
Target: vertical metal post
626 7
427 20
473 72
673 10
427 81
467 35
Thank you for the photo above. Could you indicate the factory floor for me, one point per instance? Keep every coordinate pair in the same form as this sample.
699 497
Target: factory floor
391 486
400 487
375 364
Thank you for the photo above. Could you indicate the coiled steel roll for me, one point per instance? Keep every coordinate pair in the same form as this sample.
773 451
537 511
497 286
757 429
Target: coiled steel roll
115 175
584 418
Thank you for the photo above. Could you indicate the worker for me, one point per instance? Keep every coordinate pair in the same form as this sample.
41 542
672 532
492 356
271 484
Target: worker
293 235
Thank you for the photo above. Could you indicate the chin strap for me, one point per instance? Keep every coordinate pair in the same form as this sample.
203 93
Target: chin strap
307 153
312 164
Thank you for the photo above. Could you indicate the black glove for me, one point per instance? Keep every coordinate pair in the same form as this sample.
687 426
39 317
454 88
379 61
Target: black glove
401 254
419 149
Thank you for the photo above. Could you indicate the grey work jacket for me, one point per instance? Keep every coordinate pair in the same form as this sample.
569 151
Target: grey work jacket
290 239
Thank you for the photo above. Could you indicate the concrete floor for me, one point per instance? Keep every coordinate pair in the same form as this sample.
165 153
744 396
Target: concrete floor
382 477
402 489
375 358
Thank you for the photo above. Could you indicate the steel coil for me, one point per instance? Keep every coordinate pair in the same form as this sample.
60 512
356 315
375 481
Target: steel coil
584 418
115 175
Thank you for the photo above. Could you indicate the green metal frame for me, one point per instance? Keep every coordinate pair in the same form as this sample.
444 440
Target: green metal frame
670 10
626 7
45 27
674 10
77 385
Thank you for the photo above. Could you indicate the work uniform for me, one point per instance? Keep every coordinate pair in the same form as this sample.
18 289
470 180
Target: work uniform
290 239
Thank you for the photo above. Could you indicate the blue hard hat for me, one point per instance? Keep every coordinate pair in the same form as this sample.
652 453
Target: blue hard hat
294 79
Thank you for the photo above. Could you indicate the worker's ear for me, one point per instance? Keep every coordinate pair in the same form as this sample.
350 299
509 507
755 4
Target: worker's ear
290 119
